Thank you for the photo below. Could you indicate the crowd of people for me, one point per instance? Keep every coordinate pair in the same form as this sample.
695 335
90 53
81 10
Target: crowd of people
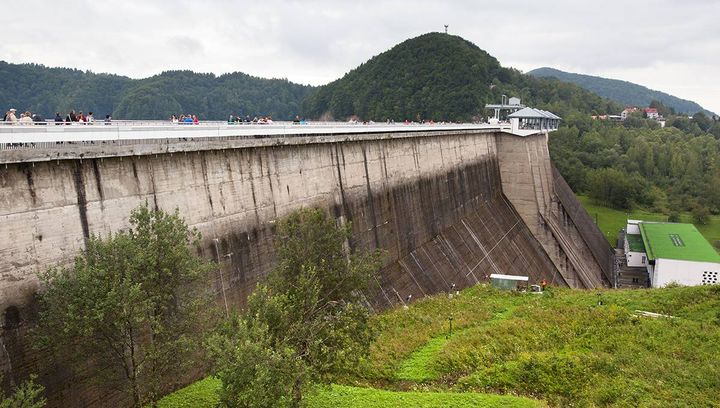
185 119
29 118
236 119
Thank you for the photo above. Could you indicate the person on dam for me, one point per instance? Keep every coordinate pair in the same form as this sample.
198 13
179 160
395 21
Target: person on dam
26 119
10 116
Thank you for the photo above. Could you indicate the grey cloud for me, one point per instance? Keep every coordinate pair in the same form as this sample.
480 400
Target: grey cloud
663 43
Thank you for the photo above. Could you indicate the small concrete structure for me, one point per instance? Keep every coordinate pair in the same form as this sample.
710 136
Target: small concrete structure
506 105
508 282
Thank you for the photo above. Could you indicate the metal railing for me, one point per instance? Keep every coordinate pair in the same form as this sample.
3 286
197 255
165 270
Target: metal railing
58 135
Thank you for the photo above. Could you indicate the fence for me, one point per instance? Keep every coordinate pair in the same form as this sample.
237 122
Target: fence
51 135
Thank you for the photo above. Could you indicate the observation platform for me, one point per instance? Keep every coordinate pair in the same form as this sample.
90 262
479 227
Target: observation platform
51 141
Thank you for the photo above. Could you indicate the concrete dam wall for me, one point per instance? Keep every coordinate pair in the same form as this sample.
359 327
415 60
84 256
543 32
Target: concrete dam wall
448 207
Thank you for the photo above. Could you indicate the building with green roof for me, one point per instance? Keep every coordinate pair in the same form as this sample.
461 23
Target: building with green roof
671 252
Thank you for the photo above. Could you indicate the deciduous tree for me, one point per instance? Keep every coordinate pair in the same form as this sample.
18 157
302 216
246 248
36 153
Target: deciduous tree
306 323
130 307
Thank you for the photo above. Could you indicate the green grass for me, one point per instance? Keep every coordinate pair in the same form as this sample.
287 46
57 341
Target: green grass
203 393
420 366
565 347
354 397
417 368
611 221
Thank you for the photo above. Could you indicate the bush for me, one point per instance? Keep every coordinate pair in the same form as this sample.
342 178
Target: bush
701 215
27 395
614 188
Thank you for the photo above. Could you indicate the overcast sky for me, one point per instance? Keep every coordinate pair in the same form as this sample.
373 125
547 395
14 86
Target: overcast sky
672 46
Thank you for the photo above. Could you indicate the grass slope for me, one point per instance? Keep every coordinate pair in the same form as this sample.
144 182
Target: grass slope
565 347
204 394
201 394
354 397
611 221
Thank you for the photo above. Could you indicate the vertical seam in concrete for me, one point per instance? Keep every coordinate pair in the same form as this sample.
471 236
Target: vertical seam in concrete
340 182
98 183
371 201
152 184
203 167
30 182
81 200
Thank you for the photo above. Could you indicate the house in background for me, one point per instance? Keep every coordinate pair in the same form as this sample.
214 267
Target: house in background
651 113
670 253
627 111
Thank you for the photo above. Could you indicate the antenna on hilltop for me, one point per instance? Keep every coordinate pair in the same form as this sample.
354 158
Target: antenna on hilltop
446 27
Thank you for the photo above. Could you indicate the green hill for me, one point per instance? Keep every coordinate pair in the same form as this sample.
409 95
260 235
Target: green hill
564 348
48 90
440 77
623 92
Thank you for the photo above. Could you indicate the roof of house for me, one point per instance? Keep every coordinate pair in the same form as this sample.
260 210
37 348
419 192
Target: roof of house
665 240
650 110
533 113
635 242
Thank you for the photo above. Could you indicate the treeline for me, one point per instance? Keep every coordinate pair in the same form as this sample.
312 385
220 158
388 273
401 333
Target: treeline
48 90
623 92
676 168
441 77
435 76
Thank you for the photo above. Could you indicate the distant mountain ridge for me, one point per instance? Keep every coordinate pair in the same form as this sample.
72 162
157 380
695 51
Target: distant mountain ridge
46 90
623 92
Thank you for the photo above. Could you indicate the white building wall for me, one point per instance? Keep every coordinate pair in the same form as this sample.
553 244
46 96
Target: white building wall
636 259
688 273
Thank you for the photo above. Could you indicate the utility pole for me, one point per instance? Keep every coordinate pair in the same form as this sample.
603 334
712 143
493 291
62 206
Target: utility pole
446 27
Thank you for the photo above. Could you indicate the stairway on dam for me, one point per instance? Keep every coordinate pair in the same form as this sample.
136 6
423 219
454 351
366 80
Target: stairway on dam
449 206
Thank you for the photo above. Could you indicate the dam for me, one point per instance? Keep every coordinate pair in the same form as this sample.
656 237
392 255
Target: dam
449 204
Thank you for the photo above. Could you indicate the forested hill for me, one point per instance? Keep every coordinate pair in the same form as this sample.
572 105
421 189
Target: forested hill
622 92
441 77
48 90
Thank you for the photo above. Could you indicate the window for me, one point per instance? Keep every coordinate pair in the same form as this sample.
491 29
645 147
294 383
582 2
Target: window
643 260
676 240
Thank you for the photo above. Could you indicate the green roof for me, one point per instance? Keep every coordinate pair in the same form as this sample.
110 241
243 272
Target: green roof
635 242
676 241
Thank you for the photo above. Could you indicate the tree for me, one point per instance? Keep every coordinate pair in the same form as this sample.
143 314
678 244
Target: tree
614 188
306 323
28 395
131 307
700 214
